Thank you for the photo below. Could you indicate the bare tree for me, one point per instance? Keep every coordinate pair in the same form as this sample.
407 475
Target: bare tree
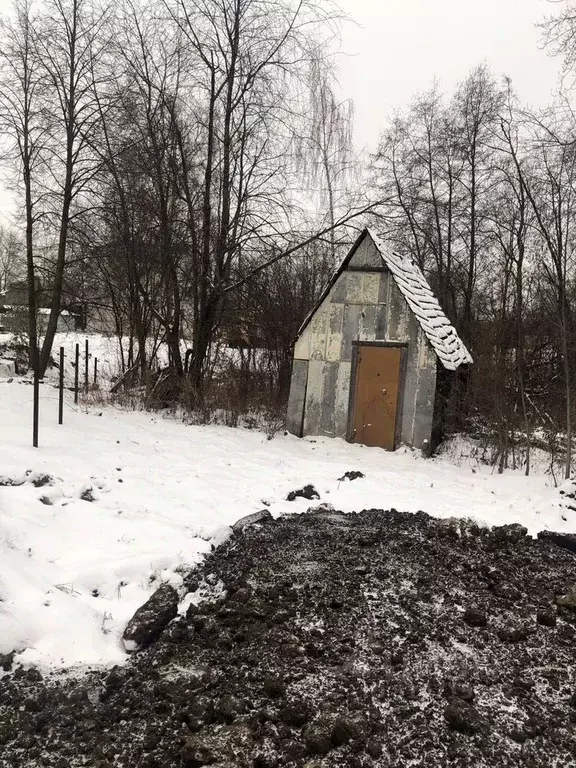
70 41
514 224
325 146
420 175
468 193
22 124
550 186
11 257
559 32
477 105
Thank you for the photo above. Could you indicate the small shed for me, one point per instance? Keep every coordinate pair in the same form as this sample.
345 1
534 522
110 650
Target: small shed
367 358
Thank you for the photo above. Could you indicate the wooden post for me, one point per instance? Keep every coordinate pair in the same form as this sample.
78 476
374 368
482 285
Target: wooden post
86 368
36 399
76 372
95 371
61 388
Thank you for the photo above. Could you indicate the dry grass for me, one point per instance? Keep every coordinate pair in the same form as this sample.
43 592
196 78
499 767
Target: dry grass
231 401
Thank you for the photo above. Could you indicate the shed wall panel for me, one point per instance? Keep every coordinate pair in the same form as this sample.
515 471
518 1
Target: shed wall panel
368 323
319 331
384 288
354 288
381 322
425 393
352 329
366 256
313 409
334 341
370 287
338 292
302 346
297 400
327 408
342 400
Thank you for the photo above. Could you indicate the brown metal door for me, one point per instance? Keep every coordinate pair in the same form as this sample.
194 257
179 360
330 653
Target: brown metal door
376 395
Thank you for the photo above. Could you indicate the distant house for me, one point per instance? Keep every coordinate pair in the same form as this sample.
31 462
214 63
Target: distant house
16 294
14 311
366 360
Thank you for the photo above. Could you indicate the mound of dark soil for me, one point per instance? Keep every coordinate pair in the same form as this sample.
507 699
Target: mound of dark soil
374 639
307 492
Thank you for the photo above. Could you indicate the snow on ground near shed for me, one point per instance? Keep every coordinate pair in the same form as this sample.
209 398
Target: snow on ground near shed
73 571
105 348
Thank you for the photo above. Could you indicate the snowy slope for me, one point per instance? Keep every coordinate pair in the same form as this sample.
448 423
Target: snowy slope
72 571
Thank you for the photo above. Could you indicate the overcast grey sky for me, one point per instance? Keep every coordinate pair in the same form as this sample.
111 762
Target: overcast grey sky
395 48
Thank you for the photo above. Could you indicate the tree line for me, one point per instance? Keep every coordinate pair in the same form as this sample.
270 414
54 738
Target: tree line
164 153
187 166
480 193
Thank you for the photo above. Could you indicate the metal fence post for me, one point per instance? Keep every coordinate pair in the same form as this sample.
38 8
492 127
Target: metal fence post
86 368
36 398
61 388
76 372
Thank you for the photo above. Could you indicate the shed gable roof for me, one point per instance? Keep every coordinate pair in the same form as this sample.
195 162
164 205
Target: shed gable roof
414 287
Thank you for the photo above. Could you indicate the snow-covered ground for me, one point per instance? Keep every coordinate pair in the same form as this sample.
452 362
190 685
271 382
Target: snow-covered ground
105 348
72 571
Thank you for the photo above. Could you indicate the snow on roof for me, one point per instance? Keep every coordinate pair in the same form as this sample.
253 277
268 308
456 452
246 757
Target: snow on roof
47 310
414 287
41 310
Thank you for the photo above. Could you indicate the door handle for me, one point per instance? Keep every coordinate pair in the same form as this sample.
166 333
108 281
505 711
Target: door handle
383 391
